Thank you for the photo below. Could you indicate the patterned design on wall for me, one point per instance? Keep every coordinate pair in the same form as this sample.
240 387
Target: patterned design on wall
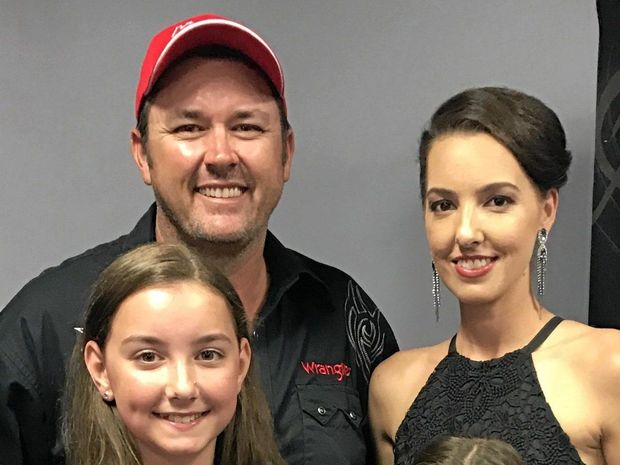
605 259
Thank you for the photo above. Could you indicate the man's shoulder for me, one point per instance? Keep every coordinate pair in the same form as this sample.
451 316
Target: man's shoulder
65 287
344 290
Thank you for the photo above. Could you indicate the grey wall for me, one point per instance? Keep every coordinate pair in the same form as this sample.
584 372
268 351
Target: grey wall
362 81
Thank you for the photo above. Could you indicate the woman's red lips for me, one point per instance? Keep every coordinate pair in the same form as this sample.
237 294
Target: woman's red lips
473 267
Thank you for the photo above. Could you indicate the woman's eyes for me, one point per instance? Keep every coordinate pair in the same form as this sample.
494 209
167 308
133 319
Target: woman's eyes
441 205
499 201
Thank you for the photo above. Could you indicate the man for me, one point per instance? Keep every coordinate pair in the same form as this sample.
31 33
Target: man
213 140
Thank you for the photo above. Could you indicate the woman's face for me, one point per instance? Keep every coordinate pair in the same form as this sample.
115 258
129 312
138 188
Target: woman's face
482 214
174 367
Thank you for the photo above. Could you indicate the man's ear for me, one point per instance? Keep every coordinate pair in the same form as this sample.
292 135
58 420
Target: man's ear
140 155
550 208
95 364
288 152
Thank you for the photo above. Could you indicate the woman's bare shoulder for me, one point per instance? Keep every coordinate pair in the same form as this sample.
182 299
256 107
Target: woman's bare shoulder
410 367
596 350
395 384
594 353
578 336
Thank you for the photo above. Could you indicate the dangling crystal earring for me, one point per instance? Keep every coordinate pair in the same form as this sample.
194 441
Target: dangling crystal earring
436 292
541 261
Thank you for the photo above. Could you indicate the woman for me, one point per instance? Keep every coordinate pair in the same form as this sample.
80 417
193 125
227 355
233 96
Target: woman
491 164
452 450
162 373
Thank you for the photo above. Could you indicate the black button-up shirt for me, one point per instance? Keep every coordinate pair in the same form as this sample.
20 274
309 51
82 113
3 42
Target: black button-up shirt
316 341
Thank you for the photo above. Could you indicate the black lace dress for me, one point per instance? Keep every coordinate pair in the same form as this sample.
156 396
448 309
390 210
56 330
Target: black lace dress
499 398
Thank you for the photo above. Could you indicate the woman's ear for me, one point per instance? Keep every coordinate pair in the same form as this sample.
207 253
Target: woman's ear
550 208
245 356
95 364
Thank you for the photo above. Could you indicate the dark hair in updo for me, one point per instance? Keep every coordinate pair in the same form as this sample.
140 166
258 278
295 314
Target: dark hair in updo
520 122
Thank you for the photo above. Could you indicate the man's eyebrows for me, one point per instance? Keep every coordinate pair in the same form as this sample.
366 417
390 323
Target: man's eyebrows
188 114
250 113
240 114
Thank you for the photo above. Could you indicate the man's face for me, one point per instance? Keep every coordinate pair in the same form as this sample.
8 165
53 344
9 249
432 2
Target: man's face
215 156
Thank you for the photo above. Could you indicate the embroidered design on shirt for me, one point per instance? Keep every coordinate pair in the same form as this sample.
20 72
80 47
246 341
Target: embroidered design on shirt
363 329
339 370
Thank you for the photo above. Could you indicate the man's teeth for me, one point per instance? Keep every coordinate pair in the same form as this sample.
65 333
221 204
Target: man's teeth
474 264
180 418
221 192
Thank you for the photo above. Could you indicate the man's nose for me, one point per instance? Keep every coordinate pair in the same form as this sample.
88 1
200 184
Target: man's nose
220 154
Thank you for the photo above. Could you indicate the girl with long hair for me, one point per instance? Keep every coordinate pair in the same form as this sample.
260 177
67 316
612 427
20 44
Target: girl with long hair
162 371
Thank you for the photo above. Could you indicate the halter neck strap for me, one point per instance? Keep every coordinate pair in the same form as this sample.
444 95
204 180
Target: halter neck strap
536 341
543 334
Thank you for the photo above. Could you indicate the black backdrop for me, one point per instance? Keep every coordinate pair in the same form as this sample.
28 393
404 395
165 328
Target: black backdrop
605 263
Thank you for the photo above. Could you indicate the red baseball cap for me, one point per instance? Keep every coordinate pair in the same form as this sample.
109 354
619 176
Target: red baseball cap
206 29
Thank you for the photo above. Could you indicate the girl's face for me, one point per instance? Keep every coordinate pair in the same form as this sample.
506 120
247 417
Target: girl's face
174 367
482 214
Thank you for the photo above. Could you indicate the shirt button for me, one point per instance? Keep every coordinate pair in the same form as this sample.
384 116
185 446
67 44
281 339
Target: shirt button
321 411
352 415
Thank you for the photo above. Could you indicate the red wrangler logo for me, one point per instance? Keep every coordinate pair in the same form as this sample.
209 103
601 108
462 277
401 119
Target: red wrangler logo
339 370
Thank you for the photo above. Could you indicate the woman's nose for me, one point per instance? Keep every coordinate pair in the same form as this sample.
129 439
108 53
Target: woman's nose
468 232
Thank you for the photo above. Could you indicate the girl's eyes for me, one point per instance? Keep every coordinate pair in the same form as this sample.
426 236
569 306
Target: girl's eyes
209 355
148 357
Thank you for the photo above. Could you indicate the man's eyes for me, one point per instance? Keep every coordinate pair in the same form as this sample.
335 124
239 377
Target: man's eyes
187 128
248 127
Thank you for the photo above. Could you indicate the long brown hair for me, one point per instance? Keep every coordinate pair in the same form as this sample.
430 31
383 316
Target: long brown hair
92 431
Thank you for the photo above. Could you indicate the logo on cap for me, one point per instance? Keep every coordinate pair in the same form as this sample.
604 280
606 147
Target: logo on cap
180 27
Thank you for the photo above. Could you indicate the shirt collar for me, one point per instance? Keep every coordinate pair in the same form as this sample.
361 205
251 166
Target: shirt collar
286 268
143 232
